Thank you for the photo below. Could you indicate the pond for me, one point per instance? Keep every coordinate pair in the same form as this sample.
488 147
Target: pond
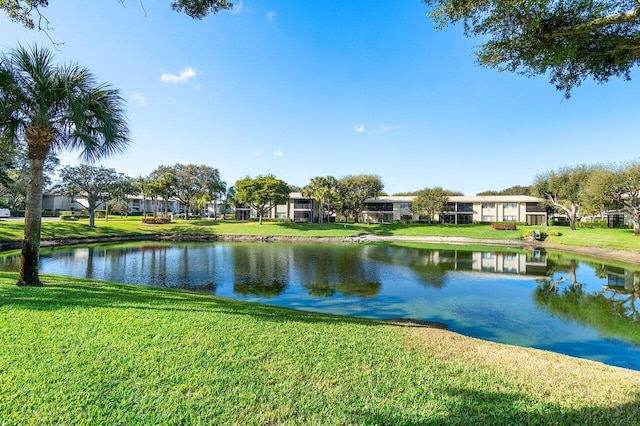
532 298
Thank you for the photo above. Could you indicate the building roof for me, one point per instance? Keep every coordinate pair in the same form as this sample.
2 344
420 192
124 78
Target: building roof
391 199
495 199
461 199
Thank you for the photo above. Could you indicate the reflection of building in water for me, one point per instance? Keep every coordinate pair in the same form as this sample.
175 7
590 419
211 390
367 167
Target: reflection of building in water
530 263
623 280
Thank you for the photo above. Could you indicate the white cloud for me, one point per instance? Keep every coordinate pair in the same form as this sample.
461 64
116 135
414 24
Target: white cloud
359 129
271 15
237 8
139 98
185 75
383 128
278 153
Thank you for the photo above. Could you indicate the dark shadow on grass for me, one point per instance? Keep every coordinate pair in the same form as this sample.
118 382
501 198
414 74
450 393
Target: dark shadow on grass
59 294
472 407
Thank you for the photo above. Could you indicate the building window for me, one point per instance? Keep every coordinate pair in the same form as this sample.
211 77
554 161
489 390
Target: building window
301 216
465 219
536 208
405 205
488 205
302 204
488 218
465 207
509 205
378 207
448 218
510 218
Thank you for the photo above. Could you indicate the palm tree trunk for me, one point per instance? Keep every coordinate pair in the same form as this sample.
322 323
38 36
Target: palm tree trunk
30 258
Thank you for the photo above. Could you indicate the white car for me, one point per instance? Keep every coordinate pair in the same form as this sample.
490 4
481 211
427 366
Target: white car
5 213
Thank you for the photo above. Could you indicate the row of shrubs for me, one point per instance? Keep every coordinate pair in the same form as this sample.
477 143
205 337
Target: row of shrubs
156 220
46 213
504 226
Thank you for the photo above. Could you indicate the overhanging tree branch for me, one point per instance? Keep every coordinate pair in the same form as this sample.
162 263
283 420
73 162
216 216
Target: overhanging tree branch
586 27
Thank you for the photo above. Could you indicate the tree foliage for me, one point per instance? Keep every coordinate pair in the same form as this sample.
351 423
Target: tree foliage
617 187
430 201
51 108
162 183
569 40
14 179
198 9
323 189
353 190
263 193
29 13
563 189
91 184
187 182
512 190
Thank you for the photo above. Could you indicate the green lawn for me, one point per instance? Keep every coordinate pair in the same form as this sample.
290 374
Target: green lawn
622 239
85 352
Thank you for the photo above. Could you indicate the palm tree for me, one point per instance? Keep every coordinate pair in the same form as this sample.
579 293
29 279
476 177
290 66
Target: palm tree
51 108
323 190
229 199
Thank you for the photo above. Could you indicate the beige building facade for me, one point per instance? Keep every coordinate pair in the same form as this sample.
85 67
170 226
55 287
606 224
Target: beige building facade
461 210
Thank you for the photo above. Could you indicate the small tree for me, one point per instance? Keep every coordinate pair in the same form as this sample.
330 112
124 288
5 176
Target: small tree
323 189
228 198
618 187
163 184
354 190
263 193
563 189
429 202
94 184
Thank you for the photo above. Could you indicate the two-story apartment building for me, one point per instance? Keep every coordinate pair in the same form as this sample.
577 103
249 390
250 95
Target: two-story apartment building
461 209
297 209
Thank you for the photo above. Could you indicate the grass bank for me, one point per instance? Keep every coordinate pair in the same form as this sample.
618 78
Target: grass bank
86 352
620 239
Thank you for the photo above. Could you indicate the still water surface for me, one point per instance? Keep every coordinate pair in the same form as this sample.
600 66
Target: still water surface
528 298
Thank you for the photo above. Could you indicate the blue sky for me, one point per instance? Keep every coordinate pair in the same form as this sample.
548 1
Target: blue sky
302 89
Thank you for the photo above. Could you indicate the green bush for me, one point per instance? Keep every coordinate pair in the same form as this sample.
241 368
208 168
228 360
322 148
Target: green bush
156 220
71 217
504 226
528 235
598 223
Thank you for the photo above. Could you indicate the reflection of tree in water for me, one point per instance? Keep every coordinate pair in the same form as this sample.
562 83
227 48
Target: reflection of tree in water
612 310
259 288
626 297
430 266
570 277
326 270
259 270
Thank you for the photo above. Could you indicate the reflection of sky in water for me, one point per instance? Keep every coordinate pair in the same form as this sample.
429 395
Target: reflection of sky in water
485 295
